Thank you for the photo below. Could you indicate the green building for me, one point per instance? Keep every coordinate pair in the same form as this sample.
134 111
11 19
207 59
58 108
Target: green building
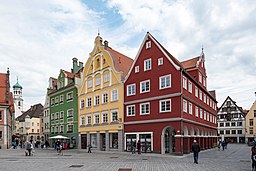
64 105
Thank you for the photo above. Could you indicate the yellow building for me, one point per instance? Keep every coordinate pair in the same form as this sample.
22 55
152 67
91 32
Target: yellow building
251 124
100 98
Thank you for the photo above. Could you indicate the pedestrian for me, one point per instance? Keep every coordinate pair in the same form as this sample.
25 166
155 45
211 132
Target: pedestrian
219 145
223 144
253 156
196 150
133 147
139 147
29 147
58 145
89 148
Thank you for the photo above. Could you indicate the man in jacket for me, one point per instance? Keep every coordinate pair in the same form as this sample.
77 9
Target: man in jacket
196 150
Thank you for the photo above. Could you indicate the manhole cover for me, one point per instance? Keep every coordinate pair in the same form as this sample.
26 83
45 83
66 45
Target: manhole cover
113 157
76 166
124 169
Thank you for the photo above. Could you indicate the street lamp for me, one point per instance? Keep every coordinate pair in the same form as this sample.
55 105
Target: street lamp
27 124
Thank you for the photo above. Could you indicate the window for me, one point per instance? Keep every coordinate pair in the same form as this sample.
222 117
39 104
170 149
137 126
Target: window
104 117
82 104
52 129
82 120
251 122
61 98
70 96
144 108
251 130
184 82
37 124
204 82
145 86
148 44
201 113
56 100
70 113
1 117
52 101
88 119
106 77
165 105
96 118
137 69
38 130
222 124
70 128
204 98
189 86
239 123
96 100
131 90
130 110
105 98
89 102
196 91
200 94
204 115
52 116
89 83
147 65
32 123
200 77
196 111
165 81
33 130
233 124
221 131
227 131
114 116
208 117
239 131
190 108
233 131
61 129
97 81
254 113
160 61
185 106
61 114
227 124
114 95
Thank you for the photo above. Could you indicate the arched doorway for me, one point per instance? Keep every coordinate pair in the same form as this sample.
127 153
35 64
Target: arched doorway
168 140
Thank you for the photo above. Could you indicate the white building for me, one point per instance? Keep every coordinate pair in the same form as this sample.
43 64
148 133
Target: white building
231 122
18 101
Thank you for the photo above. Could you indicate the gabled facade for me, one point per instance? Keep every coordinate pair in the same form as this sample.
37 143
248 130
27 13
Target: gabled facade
6 111
64 105
231 122
251 124
166 102
100 98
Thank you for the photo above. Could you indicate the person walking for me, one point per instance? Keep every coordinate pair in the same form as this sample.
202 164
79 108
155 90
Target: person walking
139 147
89 148
223 144
219 145
29 147
253 156
133 147
196 150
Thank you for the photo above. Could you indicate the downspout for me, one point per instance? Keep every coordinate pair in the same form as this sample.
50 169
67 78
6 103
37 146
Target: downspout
181 110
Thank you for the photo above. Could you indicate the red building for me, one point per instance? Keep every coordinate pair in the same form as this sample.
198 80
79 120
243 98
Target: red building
167 104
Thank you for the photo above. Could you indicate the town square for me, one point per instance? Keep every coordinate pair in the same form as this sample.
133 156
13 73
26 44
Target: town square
128 85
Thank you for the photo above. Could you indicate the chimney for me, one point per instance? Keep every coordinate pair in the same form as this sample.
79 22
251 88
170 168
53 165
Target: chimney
106 43
75 68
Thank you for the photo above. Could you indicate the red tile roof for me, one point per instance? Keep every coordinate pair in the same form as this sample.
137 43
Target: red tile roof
3 79
122 63
190 63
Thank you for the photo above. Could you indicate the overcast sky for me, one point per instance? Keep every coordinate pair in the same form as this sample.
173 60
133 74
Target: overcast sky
38 38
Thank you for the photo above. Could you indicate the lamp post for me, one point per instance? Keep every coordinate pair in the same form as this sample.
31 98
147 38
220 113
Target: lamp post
27 125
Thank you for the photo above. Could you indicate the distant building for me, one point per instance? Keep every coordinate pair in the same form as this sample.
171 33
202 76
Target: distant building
18 101
63 109
231 122
28 124
251 123
6 111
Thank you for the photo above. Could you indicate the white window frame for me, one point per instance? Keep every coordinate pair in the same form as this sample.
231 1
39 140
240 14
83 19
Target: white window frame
141 107
97 81
190 87
88 119
185 106
61 99
184 82
147 64
68 114
148 44
165 105
95 116
204 115
160 61
82 104
61 114
137 69
106 77
112 112
96 100
114 95
89 102
132 109
144 83
196 91
104 98
201 113
196 111
82 120
131 87
200 95
89 83
165 82
200 77
204 98
104 117
190 108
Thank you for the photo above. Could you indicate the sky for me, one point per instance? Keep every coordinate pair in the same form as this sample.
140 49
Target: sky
38 38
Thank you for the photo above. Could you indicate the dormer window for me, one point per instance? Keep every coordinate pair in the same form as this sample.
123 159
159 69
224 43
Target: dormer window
160 61
148 44
137 69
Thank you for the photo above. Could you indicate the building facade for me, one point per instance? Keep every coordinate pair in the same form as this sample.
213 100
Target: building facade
251 124
166 102
64 105
6 111
18 100
100 98
231 122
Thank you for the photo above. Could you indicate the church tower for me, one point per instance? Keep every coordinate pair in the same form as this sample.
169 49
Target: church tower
18 101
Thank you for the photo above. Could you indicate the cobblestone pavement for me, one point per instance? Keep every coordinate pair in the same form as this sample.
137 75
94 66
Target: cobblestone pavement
235 158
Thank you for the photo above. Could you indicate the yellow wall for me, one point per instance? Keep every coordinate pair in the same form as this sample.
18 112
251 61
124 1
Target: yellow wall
250 115
98 64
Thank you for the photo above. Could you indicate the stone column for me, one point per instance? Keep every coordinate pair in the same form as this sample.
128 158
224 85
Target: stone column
237 139
186 148
98 141
107 140
120 140
178 146
79 141
88 139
